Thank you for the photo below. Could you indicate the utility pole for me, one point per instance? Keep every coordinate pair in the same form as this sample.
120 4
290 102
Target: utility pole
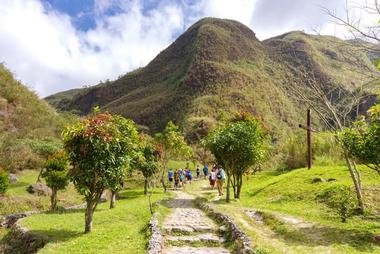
308 131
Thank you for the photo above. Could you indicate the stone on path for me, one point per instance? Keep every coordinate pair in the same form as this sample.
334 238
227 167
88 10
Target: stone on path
196 250
187 226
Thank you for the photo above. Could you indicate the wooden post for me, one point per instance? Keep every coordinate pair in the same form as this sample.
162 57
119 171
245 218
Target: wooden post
308 131
309 151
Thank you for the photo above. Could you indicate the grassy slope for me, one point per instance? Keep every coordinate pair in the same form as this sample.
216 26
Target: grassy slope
17 199
294 194
120 230
217 67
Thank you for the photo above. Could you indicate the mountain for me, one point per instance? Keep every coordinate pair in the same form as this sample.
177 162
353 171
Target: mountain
29 127
218 67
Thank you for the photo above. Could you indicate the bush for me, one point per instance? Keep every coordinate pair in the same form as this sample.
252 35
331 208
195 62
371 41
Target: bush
18 156
4 181
341 199
55 175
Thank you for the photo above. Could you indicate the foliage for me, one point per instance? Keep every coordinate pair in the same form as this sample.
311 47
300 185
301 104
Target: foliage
238 147
30 129
99 148
171 145
362 140
56 175
146 160
4 181
341 199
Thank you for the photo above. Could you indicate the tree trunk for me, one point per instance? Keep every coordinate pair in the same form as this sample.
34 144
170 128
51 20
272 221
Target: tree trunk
357 183
228 194
53 199
88 216
145 186
113 199
163 176
239 185
234 184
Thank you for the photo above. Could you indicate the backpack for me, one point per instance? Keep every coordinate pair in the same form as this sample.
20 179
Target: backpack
219 174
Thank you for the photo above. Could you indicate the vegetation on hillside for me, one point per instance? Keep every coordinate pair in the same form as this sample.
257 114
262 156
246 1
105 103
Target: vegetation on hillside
30 128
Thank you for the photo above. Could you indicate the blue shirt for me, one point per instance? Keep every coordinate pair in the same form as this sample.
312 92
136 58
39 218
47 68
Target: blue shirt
170 174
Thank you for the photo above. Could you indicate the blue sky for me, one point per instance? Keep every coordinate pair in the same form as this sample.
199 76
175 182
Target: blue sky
55 45
81 11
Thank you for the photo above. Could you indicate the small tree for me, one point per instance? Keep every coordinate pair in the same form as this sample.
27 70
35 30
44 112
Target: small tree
172 145
146 162
4 181
55 175
238 146
362 140
99 148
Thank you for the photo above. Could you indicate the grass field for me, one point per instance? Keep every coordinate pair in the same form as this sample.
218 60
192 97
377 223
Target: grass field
294 194
17 199
119 230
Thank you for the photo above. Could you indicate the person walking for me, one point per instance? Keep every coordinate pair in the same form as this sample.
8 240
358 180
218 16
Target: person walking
176 180
220 178
181 178
198 170
170 176
212 178
205 170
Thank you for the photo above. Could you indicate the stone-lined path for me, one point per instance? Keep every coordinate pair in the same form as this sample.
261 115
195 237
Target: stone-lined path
188 230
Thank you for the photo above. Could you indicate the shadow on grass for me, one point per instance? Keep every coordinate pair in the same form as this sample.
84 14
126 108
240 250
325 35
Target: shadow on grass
131 194
57 235
254 193
323 236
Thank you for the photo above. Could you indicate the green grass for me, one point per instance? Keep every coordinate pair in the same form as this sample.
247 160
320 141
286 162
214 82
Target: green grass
17 199
119 230
294 194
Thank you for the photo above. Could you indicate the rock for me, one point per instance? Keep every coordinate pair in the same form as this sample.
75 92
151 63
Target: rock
12 178
39 189
331 180
103 198
376 239
223 229
317 180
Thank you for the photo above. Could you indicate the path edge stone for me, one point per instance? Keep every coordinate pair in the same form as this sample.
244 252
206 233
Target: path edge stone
21 240
242 242
156 240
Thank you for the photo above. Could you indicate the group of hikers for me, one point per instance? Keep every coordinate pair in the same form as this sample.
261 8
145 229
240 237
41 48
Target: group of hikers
181 176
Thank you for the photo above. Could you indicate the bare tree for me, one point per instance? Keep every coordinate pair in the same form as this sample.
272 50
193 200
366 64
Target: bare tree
368 30
336 107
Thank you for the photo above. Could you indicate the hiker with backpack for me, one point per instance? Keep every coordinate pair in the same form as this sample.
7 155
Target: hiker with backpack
170 176
181 177
205 170
176 180
212 178
220 178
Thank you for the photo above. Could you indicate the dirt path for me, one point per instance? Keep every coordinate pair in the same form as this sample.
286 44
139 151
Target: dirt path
188 230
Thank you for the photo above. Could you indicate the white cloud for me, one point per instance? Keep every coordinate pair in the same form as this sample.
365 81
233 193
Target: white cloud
49 54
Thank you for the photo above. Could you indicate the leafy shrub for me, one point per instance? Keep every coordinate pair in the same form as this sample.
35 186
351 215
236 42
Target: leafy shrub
55 175
45 148
4 181
18 156
341 199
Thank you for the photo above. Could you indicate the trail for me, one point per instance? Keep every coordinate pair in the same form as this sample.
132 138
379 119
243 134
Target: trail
187 229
